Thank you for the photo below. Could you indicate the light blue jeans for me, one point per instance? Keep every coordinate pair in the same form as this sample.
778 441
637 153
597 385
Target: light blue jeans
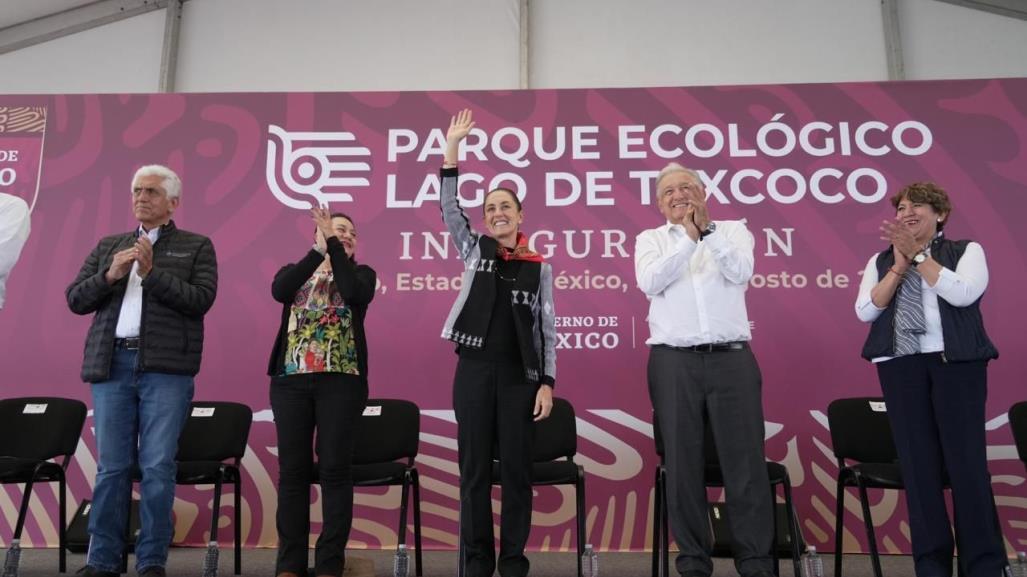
138 418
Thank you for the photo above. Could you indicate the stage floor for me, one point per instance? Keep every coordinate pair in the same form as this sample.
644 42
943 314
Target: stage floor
187 562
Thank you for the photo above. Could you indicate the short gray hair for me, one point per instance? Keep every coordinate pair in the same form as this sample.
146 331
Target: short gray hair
673 167
170 181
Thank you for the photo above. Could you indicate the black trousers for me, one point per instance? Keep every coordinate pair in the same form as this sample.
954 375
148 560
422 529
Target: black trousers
494 405
725 387
329 403
936 411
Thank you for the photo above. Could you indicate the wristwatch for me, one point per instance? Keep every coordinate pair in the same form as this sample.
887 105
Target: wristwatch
711 227
919 258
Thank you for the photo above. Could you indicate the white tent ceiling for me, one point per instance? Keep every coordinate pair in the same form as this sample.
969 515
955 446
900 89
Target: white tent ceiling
18 12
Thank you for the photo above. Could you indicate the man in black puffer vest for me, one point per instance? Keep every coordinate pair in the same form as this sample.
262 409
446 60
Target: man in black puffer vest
149 290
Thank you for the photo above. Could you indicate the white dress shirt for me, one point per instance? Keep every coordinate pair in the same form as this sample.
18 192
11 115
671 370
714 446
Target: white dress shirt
14 231
959 288
131 313
696 290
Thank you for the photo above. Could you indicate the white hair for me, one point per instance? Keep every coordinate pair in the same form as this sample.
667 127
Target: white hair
170 181
673 167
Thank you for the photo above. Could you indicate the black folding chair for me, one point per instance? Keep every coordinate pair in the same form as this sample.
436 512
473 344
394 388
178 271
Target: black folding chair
553 464
860 433
387 436
1018 423
34 430
210 452
714 477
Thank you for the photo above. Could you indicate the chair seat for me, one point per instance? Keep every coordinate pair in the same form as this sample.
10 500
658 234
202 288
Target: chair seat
204 472
547 473
379 474
15 470
881 476
555 473
196 473
777 473
874 475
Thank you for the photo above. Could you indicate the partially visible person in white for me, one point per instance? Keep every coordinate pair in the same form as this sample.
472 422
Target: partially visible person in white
14 231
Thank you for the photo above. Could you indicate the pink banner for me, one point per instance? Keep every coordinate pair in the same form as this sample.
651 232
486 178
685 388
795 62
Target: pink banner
810 167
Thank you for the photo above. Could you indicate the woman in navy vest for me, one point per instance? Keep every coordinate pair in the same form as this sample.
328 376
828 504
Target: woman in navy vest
922 297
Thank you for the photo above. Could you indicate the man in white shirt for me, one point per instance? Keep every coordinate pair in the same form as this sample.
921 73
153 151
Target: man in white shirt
14 231
695 271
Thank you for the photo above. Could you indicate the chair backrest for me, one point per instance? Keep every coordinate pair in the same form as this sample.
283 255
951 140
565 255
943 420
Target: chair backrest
215 431
388 430
40 428
860 430
1018 423
557 436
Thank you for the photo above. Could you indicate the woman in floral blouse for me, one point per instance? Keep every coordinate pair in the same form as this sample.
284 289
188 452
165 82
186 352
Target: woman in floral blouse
318 372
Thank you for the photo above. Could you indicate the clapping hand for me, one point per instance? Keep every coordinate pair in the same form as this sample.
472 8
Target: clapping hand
323 220
903 242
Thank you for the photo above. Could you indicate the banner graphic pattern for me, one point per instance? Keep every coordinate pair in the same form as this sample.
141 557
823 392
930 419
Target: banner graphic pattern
809 167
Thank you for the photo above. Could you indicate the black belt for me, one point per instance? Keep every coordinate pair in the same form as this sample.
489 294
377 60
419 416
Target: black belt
129 344
711 347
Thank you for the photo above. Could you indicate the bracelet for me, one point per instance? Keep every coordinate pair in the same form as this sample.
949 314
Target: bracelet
892 269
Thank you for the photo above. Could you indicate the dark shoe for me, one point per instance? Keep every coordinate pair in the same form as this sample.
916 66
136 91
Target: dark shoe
694 574
760 574
154 571
517 566
90 571
480 568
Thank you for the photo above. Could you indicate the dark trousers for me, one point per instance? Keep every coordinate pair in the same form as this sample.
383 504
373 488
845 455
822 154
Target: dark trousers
330 403
494 405
724 387
936 411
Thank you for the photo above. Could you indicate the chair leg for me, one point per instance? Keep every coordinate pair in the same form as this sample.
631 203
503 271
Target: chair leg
869 523
460 561
128 536
579 493
13 557
210 560
23 510
215 509
793 526
62 522
773 544
839 511
415 482
666 530
404 504
657 513
238 522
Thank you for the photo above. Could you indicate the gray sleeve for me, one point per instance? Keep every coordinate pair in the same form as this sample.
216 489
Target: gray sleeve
464 238
547 321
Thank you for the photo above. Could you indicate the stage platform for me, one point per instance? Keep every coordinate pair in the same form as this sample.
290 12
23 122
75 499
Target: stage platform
186 562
